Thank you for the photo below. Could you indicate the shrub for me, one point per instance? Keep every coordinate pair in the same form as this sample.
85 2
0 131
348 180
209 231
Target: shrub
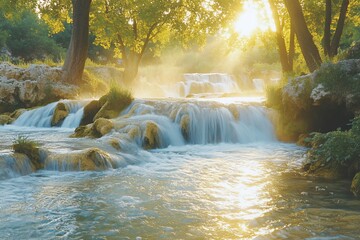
23 144
338 147
118 94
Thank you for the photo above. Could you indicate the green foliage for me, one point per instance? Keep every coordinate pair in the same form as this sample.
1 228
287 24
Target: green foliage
27 37
274 96
23 144
337 147
118 95
338 80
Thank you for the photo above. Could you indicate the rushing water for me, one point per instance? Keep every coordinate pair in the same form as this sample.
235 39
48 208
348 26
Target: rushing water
244 187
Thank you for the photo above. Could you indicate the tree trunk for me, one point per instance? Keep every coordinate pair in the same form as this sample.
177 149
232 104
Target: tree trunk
77 52
339 29
291 47
131 67
327 33
306 42
280 40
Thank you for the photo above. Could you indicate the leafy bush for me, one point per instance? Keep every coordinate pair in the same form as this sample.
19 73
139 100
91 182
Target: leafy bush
339 147
27 37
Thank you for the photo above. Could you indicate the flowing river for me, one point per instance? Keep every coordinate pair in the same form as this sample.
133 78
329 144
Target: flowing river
225 177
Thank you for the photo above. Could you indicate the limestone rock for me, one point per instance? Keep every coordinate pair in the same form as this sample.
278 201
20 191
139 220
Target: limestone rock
355 185
60 113
102 126
33 86
97 129
92 159
151 138
5 119
319 93
90 111
185 126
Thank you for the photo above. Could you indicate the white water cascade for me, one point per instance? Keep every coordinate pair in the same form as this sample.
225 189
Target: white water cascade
196 122
41 117
197 83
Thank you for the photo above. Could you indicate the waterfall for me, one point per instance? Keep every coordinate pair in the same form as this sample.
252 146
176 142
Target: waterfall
14 166
41 117
196 122
259 84
196 83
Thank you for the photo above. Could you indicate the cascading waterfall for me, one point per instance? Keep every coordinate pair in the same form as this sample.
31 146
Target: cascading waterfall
145 124
41 117
13 167
196 122
197 83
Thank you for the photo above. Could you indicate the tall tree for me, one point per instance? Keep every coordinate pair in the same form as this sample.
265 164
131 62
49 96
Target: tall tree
77 52
339 29
131 26
303 35
285 58
327 28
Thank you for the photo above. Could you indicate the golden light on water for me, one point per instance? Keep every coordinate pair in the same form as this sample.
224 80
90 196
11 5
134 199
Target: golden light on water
256 16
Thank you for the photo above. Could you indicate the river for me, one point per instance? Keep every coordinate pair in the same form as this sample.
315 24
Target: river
228 179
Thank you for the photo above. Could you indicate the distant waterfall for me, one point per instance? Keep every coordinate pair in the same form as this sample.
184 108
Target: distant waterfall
41 117
197 83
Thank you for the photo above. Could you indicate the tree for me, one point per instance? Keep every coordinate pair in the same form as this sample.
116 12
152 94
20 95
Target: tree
77 52
131 26
286 59
339 29
303 35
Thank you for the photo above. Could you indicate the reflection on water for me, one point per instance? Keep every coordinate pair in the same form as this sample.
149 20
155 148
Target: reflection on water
188 192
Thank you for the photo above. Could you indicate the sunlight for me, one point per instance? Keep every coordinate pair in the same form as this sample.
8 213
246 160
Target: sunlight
255 16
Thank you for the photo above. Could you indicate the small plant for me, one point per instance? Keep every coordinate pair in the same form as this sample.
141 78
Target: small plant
24 145
118 95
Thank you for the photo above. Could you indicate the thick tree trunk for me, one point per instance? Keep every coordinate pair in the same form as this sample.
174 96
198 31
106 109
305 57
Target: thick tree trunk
280 40
327 33
339 29
306 42
78 49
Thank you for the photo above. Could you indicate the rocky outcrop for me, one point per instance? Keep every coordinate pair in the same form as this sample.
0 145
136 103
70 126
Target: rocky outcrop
151 138
97 129
5 119
33 86
60 113
185 126
355 185
322 101
92 159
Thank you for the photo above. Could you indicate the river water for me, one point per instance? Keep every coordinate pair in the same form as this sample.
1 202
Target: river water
247 186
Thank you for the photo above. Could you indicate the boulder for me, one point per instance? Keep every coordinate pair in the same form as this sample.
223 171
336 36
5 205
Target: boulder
31 150
102 126
185 126
60 113
92 159
5 119
151 138
355 185
97 129
90 111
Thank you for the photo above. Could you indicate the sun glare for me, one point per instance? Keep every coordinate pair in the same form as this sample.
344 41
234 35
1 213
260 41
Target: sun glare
254 17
